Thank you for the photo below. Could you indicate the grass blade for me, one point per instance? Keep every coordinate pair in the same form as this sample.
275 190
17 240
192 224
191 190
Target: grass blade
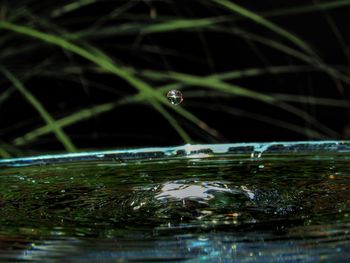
156 28
239 74
94 111
6 94
216 84
173 122
266 23
265 119
213 82
102 62
71 7
78 116
289 51
66 121
61 136
4 153
313 100
307 8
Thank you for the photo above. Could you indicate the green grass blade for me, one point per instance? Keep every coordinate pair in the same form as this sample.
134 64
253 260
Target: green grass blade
71 7
173 122
90 55
229 75
191 117
307 8
99 109
80 115
238 74
313 100
184 82
171 24
287 50
266 23
337 33
94 111
212 82
4 153
61 136
11 149
301 99
308 118
179 24
184 24
216 84
161 76
99 60
265 119
156 28
5 95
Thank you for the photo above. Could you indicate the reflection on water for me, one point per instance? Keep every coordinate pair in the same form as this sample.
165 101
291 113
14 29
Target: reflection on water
291 208
257 246
199 191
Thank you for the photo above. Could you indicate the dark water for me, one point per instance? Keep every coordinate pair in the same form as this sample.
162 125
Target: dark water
290 208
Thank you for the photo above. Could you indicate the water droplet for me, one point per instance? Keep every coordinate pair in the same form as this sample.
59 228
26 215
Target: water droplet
175 97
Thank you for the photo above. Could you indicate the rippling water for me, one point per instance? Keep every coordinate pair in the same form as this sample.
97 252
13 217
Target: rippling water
219 208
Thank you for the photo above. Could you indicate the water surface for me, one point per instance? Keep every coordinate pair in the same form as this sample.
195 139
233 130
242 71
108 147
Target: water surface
266 206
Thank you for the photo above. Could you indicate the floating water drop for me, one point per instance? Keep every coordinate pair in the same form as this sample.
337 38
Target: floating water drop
175 97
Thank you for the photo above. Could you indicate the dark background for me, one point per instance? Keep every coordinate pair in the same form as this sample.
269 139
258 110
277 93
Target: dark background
199 51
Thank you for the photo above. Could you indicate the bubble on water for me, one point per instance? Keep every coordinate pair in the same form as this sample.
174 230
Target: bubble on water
175 97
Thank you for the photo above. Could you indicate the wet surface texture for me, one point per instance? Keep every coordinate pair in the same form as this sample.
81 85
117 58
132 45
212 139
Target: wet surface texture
228 208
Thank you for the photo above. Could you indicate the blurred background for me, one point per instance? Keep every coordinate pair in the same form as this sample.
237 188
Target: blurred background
94 74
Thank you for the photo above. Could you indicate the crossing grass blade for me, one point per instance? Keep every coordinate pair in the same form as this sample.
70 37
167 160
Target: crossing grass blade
78 116
10 149
211 24
144 29
239 74
84 114
266 23
107 107
317 63
216 84
140 79
250 72
157 75
172 122
253 72
263 118
172 24
94 111
61 136
93 56
106 64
